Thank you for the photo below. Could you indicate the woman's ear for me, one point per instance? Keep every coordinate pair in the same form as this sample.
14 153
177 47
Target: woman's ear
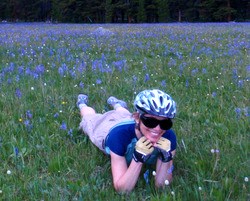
136 116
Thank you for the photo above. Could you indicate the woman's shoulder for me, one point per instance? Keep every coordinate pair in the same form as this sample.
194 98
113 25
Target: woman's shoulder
169 132
170 135
123 125
119 137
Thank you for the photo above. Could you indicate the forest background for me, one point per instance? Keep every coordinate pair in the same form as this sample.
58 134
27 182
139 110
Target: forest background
124 11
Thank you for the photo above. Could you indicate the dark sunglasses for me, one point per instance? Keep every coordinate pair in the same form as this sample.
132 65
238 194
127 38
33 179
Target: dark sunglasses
151 122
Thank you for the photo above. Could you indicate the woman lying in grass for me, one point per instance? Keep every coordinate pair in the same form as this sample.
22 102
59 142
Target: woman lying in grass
132 140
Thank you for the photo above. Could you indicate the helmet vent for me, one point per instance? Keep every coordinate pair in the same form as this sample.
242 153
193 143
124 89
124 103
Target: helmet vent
167 107
161 100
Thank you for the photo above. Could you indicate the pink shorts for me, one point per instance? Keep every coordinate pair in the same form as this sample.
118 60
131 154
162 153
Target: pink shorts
97 126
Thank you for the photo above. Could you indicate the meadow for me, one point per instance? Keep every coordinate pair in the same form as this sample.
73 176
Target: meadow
43 67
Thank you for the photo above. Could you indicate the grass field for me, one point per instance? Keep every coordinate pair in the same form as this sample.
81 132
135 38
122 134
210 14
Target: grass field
43 67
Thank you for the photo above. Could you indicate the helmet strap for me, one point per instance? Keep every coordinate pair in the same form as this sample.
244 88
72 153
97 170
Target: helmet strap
138 127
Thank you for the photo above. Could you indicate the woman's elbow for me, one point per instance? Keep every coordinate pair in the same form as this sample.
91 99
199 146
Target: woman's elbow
122 189
163 183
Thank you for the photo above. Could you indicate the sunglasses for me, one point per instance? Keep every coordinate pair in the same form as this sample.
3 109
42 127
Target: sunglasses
151 122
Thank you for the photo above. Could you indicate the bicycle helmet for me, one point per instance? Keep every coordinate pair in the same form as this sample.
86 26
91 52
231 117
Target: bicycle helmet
155 102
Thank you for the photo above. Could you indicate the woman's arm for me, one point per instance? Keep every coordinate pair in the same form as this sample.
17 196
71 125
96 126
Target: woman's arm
124 177
163 172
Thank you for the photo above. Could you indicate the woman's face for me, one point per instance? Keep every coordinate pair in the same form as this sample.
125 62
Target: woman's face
153 134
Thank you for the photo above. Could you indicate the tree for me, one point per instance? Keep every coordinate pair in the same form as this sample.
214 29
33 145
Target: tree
108 11
163 10
96 11
224 11
141 17
178 8
5 10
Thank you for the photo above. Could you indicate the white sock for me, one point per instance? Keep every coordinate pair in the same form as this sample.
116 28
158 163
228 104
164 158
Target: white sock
82 105
117 105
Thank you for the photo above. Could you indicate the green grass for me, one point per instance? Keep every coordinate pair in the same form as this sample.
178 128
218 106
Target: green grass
204 67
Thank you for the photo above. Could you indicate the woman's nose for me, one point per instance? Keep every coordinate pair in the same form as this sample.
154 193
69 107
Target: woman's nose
158 127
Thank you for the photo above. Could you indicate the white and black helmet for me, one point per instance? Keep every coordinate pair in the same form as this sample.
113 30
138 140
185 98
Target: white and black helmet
155 102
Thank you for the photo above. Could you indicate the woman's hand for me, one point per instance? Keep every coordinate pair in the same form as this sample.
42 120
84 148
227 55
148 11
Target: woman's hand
143 150
163 146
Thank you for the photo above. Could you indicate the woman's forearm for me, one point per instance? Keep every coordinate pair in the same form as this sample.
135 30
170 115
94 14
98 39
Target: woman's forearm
163 173
128 181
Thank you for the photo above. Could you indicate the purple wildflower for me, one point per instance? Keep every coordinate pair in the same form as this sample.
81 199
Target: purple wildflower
214 94
246 111
194 71
240 83
119 64
9 81
97 65
72 73
28 71
63 126
204 70
62 70
20 70
29 114
134 79
248 69
16 151
172 62
56 115
163 83
28 124
98 81
82 67
235 74
17 78
238 112
146 77
11 67
171 169
35 75
146 176
39 69
18 93
187 83
181 69
81 85
70 132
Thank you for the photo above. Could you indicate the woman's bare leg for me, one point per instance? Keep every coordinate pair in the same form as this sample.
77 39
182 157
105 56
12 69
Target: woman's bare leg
82 102
118 105
87 111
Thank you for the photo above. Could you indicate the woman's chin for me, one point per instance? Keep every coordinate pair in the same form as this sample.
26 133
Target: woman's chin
154 139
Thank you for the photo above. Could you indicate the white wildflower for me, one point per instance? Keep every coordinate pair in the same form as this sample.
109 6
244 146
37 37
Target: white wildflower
166 182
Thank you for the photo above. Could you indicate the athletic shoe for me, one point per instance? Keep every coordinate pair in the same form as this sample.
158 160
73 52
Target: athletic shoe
113 100
82 99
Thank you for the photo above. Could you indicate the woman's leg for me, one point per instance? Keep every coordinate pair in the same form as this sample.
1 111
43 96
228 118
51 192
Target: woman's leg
82 102
118 105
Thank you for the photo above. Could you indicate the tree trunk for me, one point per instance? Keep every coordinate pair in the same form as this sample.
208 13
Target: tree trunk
229 17
179 16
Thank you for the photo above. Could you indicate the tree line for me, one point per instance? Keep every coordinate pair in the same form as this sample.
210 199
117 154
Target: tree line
124 11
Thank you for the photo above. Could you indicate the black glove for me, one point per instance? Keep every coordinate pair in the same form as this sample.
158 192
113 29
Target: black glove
163 146
143 150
